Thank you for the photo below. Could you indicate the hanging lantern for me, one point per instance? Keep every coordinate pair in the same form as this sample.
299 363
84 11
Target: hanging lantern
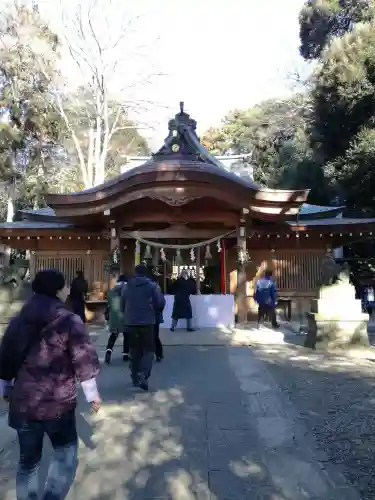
179 260
148 254
208 255
218 245
162 255
192 255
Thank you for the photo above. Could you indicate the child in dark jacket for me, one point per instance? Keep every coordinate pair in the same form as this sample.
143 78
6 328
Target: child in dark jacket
116 322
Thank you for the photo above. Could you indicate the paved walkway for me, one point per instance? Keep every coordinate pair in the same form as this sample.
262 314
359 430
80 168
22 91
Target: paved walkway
221 422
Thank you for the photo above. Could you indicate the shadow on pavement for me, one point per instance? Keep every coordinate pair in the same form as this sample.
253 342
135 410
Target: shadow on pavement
335 398
191 436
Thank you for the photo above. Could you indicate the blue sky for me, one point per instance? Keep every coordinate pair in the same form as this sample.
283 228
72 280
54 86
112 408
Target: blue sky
215 55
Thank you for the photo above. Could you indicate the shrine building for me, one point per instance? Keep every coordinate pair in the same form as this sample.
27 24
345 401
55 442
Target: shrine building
182 208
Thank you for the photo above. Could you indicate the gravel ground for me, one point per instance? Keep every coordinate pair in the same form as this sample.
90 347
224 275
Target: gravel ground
335 397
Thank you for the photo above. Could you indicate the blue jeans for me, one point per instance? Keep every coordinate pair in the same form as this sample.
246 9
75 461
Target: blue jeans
62 470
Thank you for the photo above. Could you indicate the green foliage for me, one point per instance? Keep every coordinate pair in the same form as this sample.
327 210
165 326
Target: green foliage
342 119
274 132
30 126
343 95
38 120
354 171
323 20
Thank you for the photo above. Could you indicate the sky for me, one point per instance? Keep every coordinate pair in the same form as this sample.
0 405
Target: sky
215 55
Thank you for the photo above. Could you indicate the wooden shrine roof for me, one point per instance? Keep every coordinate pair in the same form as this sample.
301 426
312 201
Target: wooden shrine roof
181 171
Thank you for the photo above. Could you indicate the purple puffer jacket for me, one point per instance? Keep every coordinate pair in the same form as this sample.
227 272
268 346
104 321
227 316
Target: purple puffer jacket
45 386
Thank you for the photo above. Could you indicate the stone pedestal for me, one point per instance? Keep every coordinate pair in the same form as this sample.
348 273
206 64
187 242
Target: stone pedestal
336 319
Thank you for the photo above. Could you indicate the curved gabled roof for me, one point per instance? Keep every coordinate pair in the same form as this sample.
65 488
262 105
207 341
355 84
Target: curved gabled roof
309 211
182 165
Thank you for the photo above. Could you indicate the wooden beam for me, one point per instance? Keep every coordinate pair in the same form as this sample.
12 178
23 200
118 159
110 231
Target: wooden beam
174 233
179 216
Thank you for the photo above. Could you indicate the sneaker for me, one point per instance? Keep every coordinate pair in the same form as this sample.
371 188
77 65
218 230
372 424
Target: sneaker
159 358
144 385
108 355
172 329
190 329
125 356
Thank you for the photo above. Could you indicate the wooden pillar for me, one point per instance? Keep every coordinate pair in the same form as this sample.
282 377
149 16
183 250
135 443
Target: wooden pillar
155 256
198 271
241 273
137 253
32 265
223 269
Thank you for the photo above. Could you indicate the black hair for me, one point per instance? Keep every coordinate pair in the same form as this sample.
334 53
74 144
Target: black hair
80 274
268 273
141 270
122 277
48 282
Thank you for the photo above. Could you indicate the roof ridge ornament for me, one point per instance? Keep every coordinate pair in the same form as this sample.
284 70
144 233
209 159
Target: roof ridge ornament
177 143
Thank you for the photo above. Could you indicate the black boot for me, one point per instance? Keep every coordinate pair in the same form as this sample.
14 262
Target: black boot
108 355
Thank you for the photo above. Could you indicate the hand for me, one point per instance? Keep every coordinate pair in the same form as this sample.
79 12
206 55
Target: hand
95 405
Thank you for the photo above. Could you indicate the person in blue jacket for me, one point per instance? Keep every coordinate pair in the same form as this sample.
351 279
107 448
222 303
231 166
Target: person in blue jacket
141 301
266 298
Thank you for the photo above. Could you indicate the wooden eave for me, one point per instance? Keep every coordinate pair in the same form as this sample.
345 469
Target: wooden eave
182 169
185 180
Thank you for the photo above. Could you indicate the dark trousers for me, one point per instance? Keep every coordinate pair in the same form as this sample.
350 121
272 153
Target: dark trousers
188 323
267 312
63 436
158 344
112 341
79 309
142 351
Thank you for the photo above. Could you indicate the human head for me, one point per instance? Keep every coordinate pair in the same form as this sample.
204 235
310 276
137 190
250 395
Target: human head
51 283
140 270
268 274
79 274
121 278
184 274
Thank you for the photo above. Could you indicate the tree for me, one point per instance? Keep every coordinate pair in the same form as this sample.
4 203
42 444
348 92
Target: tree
343 92
274 132
342 123
354 171
324 20
29 124
80 112
96 117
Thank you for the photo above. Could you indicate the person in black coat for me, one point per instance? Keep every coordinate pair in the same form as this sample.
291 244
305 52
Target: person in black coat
159 319
78 292
184 287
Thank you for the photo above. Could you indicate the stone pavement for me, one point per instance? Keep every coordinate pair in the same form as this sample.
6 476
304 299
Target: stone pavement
223 422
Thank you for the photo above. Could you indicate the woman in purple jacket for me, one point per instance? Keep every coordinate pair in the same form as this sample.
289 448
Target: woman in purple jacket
45 349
